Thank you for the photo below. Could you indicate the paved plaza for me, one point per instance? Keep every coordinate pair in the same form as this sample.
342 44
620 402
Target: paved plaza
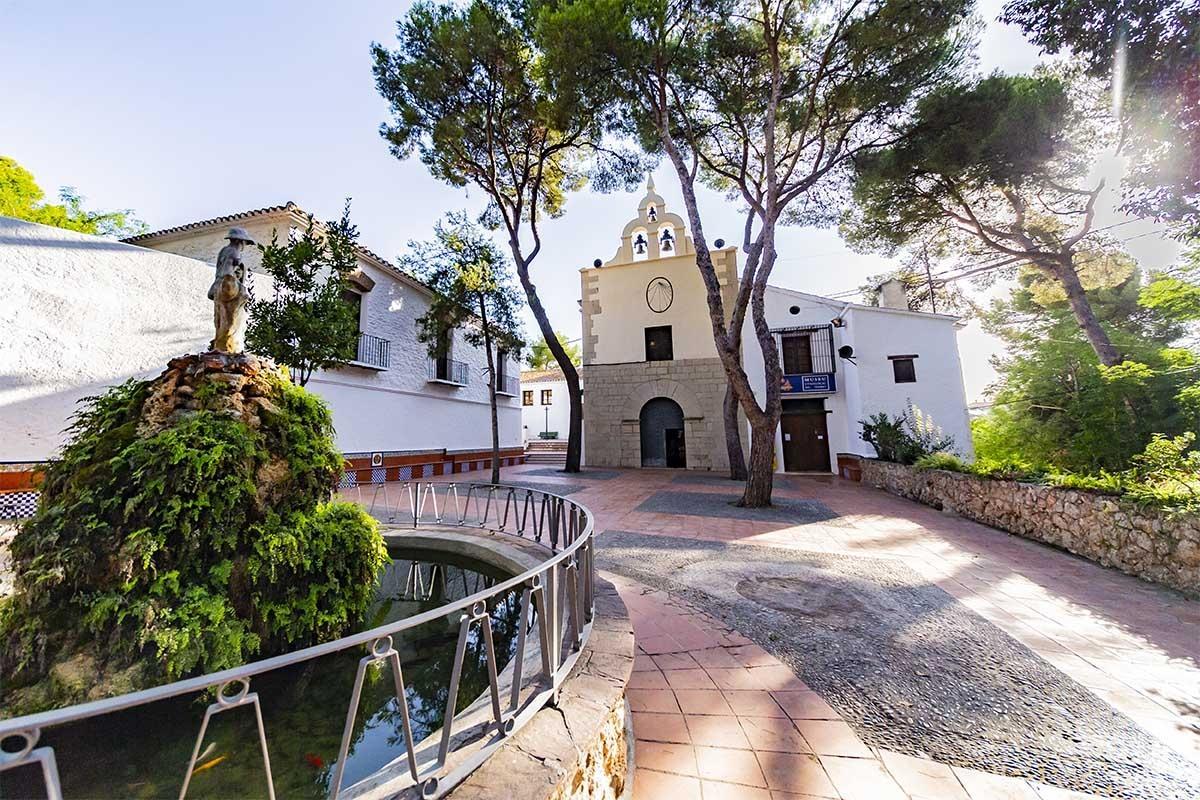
852 644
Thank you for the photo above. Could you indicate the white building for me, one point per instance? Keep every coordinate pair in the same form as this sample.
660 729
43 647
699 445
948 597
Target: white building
843 362
545 404
84 313
655 385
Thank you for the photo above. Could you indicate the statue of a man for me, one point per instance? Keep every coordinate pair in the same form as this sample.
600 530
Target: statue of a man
229 295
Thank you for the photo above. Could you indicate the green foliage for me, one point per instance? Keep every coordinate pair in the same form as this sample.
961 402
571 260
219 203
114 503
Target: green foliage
308 324
21 197
1175 292
474 293
906 438
473 288
994 168
540 356
186 549
1167 472
966 144
1157 90
1165 475
946 461
1056 405
468 89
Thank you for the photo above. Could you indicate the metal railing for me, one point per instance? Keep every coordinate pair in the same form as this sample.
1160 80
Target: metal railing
508 385
447 369
818 357
556 601
373 350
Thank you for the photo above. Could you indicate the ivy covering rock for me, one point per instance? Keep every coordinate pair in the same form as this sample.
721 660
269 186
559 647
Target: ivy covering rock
186 528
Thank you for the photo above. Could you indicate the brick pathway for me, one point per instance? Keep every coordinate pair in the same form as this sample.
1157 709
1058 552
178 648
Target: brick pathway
734 722
715 716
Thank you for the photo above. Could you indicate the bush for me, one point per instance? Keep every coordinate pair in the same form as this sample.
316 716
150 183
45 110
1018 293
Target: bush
906 438
191 546
946 461
1165 475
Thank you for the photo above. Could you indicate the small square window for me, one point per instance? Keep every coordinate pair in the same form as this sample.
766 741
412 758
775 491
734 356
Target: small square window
904 368
527 397
547 395
658 344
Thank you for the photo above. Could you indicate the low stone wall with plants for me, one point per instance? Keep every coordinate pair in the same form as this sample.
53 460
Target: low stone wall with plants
1152 544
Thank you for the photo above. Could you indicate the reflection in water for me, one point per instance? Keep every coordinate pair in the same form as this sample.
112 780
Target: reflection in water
142 753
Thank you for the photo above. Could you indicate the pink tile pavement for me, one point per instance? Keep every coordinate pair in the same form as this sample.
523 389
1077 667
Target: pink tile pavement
1134 644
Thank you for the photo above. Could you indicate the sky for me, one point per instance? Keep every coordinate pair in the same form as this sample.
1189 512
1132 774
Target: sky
187 111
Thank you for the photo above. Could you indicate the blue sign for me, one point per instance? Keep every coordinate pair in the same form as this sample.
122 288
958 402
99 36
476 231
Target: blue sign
808 383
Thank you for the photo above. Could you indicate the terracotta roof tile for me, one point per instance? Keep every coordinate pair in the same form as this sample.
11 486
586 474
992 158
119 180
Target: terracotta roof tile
541 375
260 212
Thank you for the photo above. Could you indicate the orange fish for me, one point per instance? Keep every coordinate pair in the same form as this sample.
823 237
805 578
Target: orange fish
314 760
209 764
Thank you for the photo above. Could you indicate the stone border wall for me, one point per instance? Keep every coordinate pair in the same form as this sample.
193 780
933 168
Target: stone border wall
577 749
1139 541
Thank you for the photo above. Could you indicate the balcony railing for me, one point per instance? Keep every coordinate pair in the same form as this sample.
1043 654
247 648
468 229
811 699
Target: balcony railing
449 370
373 351
808 367
508 385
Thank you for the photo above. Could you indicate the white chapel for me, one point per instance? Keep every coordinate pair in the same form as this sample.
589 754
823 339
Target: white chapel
655 387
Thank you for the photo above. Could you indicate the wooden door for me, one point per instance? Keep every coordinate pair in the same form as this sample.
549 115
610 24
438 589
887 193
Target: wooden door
805 442
676 448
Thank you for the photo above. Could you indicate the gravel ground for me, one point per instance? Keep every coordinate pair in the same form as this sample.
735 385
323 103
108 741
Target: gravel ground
720 479
587 474
909 667
711 504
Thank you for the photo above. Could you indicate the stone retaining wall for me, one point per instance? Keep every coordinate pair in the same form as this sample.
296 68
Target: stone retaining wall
1144 542
577 749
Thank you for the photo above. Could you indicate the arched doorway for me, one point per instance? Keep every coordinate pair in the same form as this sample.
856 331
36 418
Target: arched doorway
661 423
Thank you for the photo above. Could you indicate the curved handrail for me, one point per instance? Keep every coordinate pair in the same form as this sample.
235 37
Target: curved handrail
568 521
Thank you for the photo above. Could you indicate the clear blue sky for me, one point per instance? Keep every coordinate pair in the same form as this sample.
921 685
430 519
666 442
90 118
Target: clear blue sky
185 111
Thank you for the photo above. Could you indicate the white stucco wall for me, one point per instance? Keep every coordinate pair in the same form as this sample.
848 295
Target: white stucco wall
624 316
80 313
868 385
554 417
938 390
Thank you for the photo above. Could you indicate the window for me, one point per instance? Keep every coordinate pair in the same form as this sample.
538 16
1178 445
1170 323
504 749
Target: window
547 394
904 368
527 397
658 344
445 341
354 300
797 355
501 368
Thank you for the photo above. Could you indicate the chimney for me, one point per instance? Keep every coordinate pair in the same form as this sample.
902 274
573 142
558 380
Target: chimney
891 295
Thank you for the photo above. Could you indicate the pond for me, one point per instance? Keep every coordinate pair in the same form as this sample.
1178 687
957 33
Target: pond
143 752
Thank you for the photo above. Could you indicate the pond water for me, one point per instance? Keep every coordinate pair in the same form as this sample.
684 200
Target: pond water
142 753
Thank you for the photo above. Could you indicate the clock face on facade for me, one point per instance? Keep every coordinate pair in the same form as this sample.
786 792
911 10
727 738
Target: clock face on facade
659 294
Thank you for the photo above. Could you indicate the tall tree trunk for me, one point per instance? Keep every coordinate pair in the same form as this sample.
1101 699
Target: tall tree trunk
733 437
727 343
762 430
760 479
570 374
1064 271
492 374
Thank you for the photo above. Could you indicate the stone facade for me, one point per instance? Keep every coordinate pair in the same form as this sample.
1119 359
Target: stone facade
617 316
1145 542
615 394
